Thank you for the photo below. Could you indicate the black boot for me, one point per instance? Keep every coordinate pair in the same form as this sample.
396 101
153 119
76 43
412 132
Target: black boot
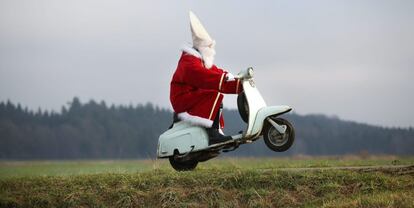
215 136
213 132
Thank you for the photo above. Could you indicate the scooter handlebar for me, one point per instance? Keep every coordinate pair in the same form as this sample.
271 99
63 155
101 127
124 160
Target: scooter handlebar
245 73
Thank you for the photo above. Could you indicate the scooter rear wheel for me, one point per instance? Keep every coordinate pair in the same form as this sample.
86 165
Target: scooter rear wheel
179 165
276 141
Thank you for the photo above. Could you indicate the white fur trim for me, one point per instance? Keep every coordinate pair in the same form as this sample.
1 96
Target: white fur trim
195 120
190 50
207 57
230 77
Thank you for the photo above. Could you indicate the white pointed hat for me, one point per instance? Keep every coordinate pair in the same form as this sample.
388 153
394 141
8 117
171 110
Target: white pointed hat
201 38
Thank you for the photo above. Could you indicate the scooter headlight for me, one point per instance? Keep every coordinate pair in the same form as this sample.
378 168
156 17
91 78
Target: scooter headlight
245 73
250 72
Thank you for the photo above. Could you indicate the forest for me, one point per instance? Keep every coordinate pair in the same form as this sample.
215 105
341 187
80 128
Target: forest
94 130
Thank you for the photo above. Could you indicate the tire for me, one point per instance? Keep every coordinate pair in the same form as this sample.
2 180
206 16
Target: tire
276 141
183 165
243 107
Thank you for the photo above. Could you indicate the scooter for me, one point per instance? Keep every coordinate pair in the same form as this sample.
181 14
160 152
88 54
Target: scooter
186 145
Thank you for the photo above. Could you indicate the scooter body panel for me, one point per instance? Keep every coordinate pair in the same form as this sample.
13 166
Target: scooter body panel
255 102
183 137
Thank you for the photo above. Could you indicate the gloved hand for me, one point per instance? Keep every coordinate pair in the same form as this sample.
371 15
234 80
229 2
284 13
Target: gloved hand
229 77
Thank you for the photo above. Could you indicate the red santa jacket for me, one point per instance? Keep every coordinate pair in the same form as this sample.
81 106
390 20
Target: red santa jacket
197 92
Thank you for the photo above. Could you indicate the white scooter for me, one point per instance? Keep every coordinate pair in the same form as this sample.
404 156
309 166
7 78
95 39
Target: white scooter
185 145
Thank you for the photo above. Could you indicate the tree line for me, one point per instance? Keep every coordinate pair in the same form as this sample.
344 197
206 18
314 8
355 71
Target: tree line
94 130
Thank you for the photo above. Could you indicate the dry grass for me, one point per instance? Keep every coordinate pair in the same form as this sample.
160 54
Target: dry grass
219 183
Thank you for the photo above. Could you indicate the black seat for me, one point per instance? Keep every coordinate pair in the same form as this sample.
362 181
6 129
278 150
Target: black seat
175 120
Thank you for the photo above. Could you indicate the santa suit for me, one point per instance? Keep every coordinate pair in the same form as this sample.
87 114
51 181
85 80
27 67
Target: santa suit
196 92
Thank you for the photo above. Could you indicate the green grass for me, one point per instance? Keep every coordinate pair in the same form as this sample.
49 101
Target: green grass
228 182
66 168
81 167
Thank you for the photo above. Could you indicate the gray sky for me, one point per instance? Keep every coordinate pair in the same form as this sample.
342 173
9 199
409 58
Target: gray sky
350 58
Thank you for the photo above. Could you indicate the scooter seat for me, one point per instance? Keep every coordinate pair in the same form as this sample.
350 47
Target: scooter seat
175 120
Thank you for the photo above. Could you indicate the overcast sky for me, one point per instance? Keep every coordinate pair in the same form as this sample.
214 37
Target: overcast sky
350 58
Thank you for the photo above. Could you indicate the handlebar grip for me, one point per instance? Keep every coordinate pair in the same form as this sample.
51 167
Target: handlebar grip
245 73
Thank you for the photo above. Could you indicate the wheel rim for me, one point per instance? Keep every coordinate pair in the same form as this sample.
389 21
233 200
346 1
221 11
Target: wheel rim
277 138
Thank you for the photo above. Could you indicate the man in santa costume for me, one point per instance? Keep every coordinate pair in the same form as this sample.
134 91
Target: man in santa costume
197 86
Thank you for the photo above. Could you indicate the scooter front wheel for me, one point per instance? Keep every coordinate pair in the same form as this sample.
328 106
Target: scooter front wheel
179 165
276 141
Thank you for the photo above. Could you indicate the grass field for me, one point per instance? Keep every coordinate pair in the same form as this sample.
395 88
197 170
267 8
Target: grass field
225 182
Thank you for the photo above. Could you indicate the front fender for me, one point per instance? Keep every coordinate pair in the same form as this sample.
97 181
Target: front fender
262 114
